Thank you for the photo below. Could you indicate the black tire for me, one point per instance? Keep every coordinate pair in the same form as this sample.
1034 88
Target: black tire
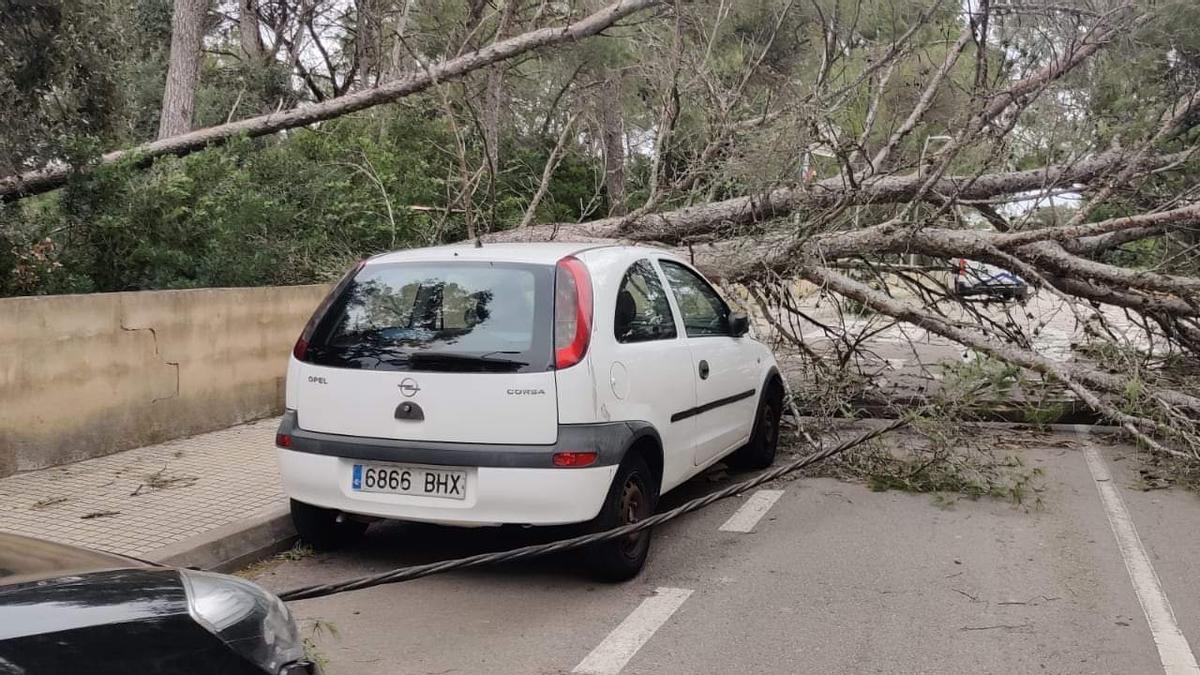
633 496
759 453
319 527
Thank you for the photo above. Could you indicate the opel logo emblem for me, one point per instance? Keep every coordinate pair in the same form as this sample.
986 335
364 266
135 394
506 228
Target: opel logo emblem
409 387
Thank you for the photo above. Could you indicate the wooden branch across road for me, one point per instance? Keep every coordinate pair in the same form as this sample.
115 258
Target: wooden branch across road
56 174
703 219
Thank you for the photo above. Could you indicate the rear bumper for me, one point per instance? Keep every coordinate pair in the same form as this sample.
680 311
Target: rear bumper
609 440
495 495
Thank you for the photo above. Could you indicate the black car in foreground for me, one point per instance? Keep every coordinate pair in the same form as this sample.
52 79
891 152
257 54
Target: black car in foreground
70 610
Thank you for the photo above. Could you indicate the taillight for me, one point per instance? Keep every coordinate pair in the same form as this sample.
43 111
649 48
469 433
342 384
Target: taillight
574 459
572 312
283 440
300 350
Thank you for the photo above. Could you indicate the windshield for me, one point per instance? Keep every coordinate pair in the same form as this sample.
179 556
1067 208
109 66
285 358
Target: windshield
468 316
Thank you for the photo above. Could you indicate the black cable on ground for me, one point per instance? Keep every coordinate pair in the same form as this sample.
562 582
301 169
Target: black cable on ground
525 552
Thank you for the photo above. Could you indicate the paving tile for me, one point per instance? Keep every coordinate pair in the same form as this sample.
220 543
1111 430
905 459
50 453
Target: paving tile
185 487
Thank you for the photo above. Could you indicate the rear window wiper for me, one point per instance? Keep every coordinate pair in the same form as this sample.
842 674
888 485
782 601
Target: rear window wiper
451 359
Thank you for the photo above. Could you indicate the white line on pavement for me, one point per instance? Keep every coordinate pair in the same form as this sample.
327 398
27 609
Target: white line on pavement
610 656
1173 650
752 511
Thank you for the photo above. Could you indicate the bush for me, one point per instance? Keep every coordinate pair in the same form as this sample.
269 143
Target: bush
283 210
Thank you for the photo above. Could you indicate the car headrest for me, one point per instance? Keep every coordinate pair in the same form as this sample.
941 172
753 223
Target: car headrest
626 308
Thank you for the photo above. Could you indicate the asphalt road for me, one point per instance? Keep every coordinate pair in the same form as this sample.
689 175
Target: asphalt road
832 579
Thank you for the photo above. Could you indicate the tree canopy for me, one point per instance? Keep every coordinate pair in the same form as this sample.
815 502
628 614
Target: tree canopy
861 145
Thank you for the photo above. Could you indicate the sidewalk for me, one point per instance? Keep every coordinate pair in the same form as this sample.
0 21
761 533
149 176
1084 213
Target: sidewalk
212 500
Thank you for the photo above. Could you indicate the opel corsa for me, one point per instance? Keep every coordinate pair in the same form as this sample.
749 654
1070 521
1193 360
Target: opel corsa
531 384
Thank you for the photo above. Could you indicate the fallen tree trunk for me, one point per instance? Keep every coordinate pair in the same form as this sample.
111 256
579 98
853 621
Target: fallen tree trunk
673 227
55 175
1047 249
1042 255
1103 392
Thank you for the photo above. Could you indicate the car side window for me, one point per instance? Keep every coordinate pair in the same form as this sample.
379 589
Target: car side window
704 312
643 312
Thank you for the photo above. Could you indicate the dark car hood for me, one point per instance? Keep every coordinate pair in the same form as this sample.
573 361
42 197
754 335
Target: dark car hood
95 598
109 622
69 610
25 559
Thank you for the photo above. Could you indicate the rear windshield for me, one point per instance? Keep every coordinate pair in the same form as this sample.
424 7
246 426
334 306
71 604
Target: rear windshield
456 316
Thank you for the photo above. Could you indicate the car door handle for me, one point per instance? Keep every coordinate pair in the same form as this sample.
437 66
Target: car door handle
703 370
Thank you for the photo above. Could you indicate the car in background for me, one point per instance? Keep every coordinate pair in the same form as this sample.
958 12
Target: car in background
65 609
530 384
980 281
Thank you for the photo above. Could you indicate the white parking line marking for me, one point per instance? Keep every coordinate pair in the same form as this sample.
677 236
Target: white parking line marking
1173 650
752 511
610 656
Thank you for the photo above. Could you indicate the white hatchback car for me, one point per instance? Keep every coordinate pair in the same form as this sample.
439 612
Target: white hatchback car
533 384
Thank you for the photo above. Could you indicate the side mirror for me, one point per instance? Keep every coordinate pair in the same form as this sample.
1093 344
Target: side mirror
739 324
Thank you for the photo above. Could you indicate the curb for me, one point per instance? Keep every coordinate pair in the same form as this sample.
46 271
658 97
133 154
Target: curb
233 546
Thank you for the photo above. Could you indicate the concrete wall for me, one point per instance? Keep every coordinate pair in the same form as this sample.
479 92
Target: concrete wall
87 375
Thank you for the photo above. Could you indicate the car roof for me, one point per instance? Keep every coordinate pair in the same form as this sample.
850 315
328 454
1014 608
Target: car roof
531 252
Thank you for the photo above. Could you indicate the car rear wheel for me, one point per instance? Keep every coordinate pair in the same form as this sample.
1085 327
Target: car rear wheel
321 529
759 453
632 497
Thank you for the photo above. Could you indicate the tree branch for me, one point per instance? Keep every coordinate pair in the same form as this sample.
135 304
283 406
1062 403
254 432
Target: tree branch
56 174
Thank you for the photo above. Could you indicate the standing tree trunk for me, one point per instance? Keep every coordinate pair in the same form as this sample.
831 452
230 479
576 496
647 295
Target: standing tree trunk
397 28
248 31
368 43
179 95
612 135
494 96
493 100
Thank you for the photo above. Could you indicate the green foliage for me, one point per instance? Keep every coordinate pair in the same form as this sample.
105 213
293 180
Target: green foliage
57 81
984 383
253 213
318 627
947 474
81 77
78 76
264 212
948 459
235 90
980 376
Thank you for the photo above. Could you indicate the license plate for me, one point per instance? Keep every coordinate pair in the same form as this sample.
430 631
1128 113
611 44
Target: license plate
403 479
